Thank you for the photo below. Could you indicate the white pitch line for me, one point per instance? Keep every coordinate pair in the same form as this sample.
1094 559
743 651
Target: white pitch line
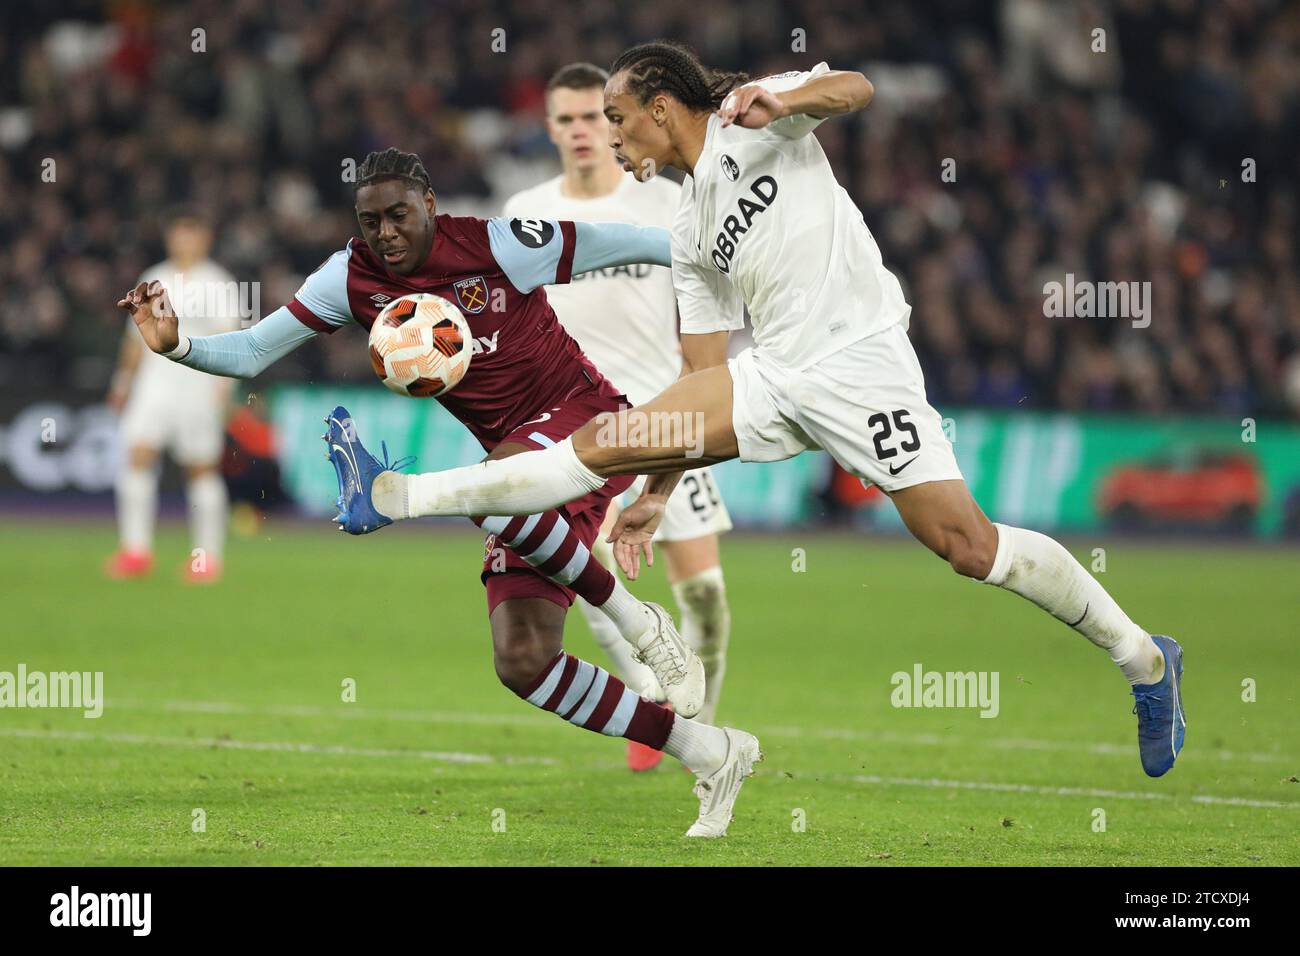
349 711
279 746
1062 791
464 758
356 711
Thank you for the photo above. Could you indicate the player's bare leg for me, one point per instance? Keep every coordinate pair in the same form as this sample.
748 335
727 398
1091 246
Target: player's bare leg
527 634
944 517
137 507
538 480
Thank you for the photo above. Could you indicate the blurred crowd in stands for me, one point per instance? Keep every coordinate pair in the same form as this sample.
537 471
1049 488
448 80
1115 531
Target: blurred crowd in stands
1010 143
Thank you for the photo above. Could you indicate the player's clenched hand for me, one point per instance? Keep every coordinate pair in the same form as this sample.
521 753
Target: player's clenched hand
633 532
752 107
153 314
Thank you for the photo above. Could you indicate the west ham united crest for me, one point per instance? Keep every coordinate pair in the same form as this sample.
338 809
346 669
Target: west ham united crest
471 294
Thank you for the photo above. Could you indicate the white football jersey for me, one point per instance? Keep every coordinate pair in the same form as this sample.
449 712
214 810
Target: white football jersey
207 301
625 317
762 223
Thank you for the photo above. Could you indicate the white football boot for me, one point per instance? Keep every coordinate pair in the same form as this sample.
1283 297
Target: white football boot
718 791
678 669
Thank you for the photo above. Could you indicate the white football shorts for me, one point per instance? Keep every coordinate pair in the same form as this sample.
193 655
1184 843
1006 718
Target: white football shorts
695 508
186 422
865 405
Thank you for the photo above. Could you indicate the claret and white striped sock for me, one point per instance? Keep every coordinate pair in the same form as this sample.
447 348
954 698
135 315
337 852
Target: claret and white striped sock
591 697
549 544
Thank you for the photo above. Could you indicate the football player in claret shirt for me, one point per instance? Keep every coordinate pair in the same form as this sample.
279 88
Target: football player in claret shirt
527 388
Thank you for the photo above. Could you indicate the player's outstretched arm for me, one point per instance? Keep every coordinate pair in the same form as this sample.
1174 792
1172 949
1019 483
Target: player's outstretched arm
536 252
600 245
240 354
826 94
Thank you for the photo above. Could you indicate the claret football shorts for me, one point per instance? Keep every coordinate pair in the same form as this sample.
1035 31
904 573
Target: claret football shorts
505 573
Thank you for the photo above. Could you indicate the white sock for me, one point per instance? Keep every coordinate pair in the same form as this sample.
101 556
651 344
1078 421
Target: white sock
634 674
137 507
519 485
701 747
626 613
1040 570
607 634
706 627
209 506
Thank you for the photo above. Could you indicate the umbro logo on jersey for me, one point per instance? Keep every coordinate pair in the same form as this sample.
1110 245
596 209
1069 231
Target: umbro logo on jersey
379 299
764 188
729 168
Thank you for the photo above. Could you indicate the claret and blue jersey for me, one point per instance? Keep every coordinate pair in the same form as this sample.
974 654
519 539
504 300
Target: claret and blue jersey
493 270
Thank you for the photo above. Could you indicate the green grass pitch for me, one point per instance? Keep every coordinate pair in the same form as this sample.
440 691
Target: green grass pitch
227 700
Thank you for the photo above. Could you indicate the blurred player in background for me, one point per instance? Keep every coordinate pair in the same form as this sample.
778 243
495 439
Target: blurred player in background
167 406
625 319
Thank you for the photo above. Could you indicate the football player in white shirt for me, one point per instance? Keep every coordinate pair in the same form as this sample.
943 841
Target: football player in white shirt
166 406
625 319
764 224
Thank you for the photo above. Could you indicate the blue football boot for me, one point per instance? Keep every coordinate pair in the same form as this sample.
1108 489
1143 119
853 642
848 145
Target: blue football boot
1162 724
356 470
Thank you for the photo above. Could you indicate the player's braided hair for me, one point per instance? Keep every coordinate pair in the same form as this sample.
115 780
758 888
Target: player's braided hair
392 163
670 67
